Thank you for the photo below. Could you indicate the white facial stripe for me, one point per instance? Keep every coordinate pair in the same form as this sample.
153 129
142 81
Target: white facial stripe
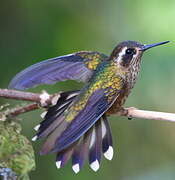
122 52
119 58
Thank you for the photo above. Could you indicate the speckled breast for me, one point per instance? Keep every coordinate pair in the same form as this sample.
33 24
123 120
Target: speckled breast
119 102
130 82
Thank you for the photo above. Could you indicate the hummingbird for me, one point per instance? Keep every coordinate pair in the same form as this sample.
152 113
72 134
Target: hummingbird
77 126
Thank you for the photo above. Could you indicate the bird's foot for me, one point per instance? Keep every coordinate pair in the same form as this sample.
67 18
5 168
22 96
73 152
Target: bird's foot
126 112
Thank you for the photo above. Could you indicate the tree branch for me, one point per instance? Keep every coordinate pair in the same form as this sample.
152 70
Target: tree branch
142 114
23 109
19 95
44 100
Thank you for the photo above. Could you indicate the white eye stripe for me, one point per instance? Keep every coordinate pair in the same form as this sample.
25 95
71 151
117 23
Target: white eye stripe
123 52
119 58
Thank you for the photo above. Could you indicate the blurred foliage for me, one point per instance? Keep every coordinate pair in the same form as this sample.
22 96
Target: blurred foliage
16 151
35 30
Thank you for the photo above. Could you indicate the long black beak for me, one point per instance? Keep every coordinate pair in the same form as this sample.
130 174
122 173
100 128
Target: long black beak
145 47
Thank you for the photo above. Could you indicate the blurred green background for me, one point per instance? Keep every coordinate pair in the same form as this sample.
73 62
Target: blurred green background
31 31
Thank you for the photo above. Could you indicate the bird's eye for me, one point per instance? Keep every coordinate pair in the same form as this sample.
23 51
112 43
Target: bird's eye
130 51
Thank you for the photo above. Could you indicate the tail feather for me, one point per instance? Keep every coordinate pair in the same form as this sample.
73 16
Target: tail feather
96 140
49 122
81 152
52 133
63 157
96 147
107 147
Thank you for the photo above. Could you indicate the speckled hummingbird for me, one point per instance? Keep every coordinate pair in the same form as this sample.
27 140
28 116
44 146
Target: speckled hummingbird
77 126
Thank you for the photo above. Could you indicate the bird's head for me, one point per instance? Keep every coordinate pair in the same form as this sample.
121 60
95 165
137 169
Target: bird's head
129 53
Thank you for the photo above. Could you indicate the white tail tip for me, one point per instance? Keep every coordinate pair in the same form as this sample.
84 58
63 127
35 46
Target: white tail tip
109 153
76 168
37 127
58 164
95 165
43 114
34 138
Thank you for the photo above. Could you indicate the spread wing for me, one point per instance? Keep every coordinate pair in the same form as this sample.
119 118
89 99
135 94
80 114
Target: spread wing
97 104
78 66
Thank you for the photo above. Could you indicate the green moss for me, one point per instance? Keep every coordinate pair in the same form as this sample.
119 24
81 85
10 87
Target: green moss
16 152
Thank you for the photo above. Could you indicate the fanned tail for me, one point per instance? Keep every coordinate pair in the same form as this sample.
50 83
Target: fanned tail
95 141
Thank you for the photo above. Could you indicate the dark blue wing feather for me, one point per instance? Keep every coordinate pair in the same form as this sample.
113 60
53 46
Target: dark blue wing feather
96 106
50 71
69 67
